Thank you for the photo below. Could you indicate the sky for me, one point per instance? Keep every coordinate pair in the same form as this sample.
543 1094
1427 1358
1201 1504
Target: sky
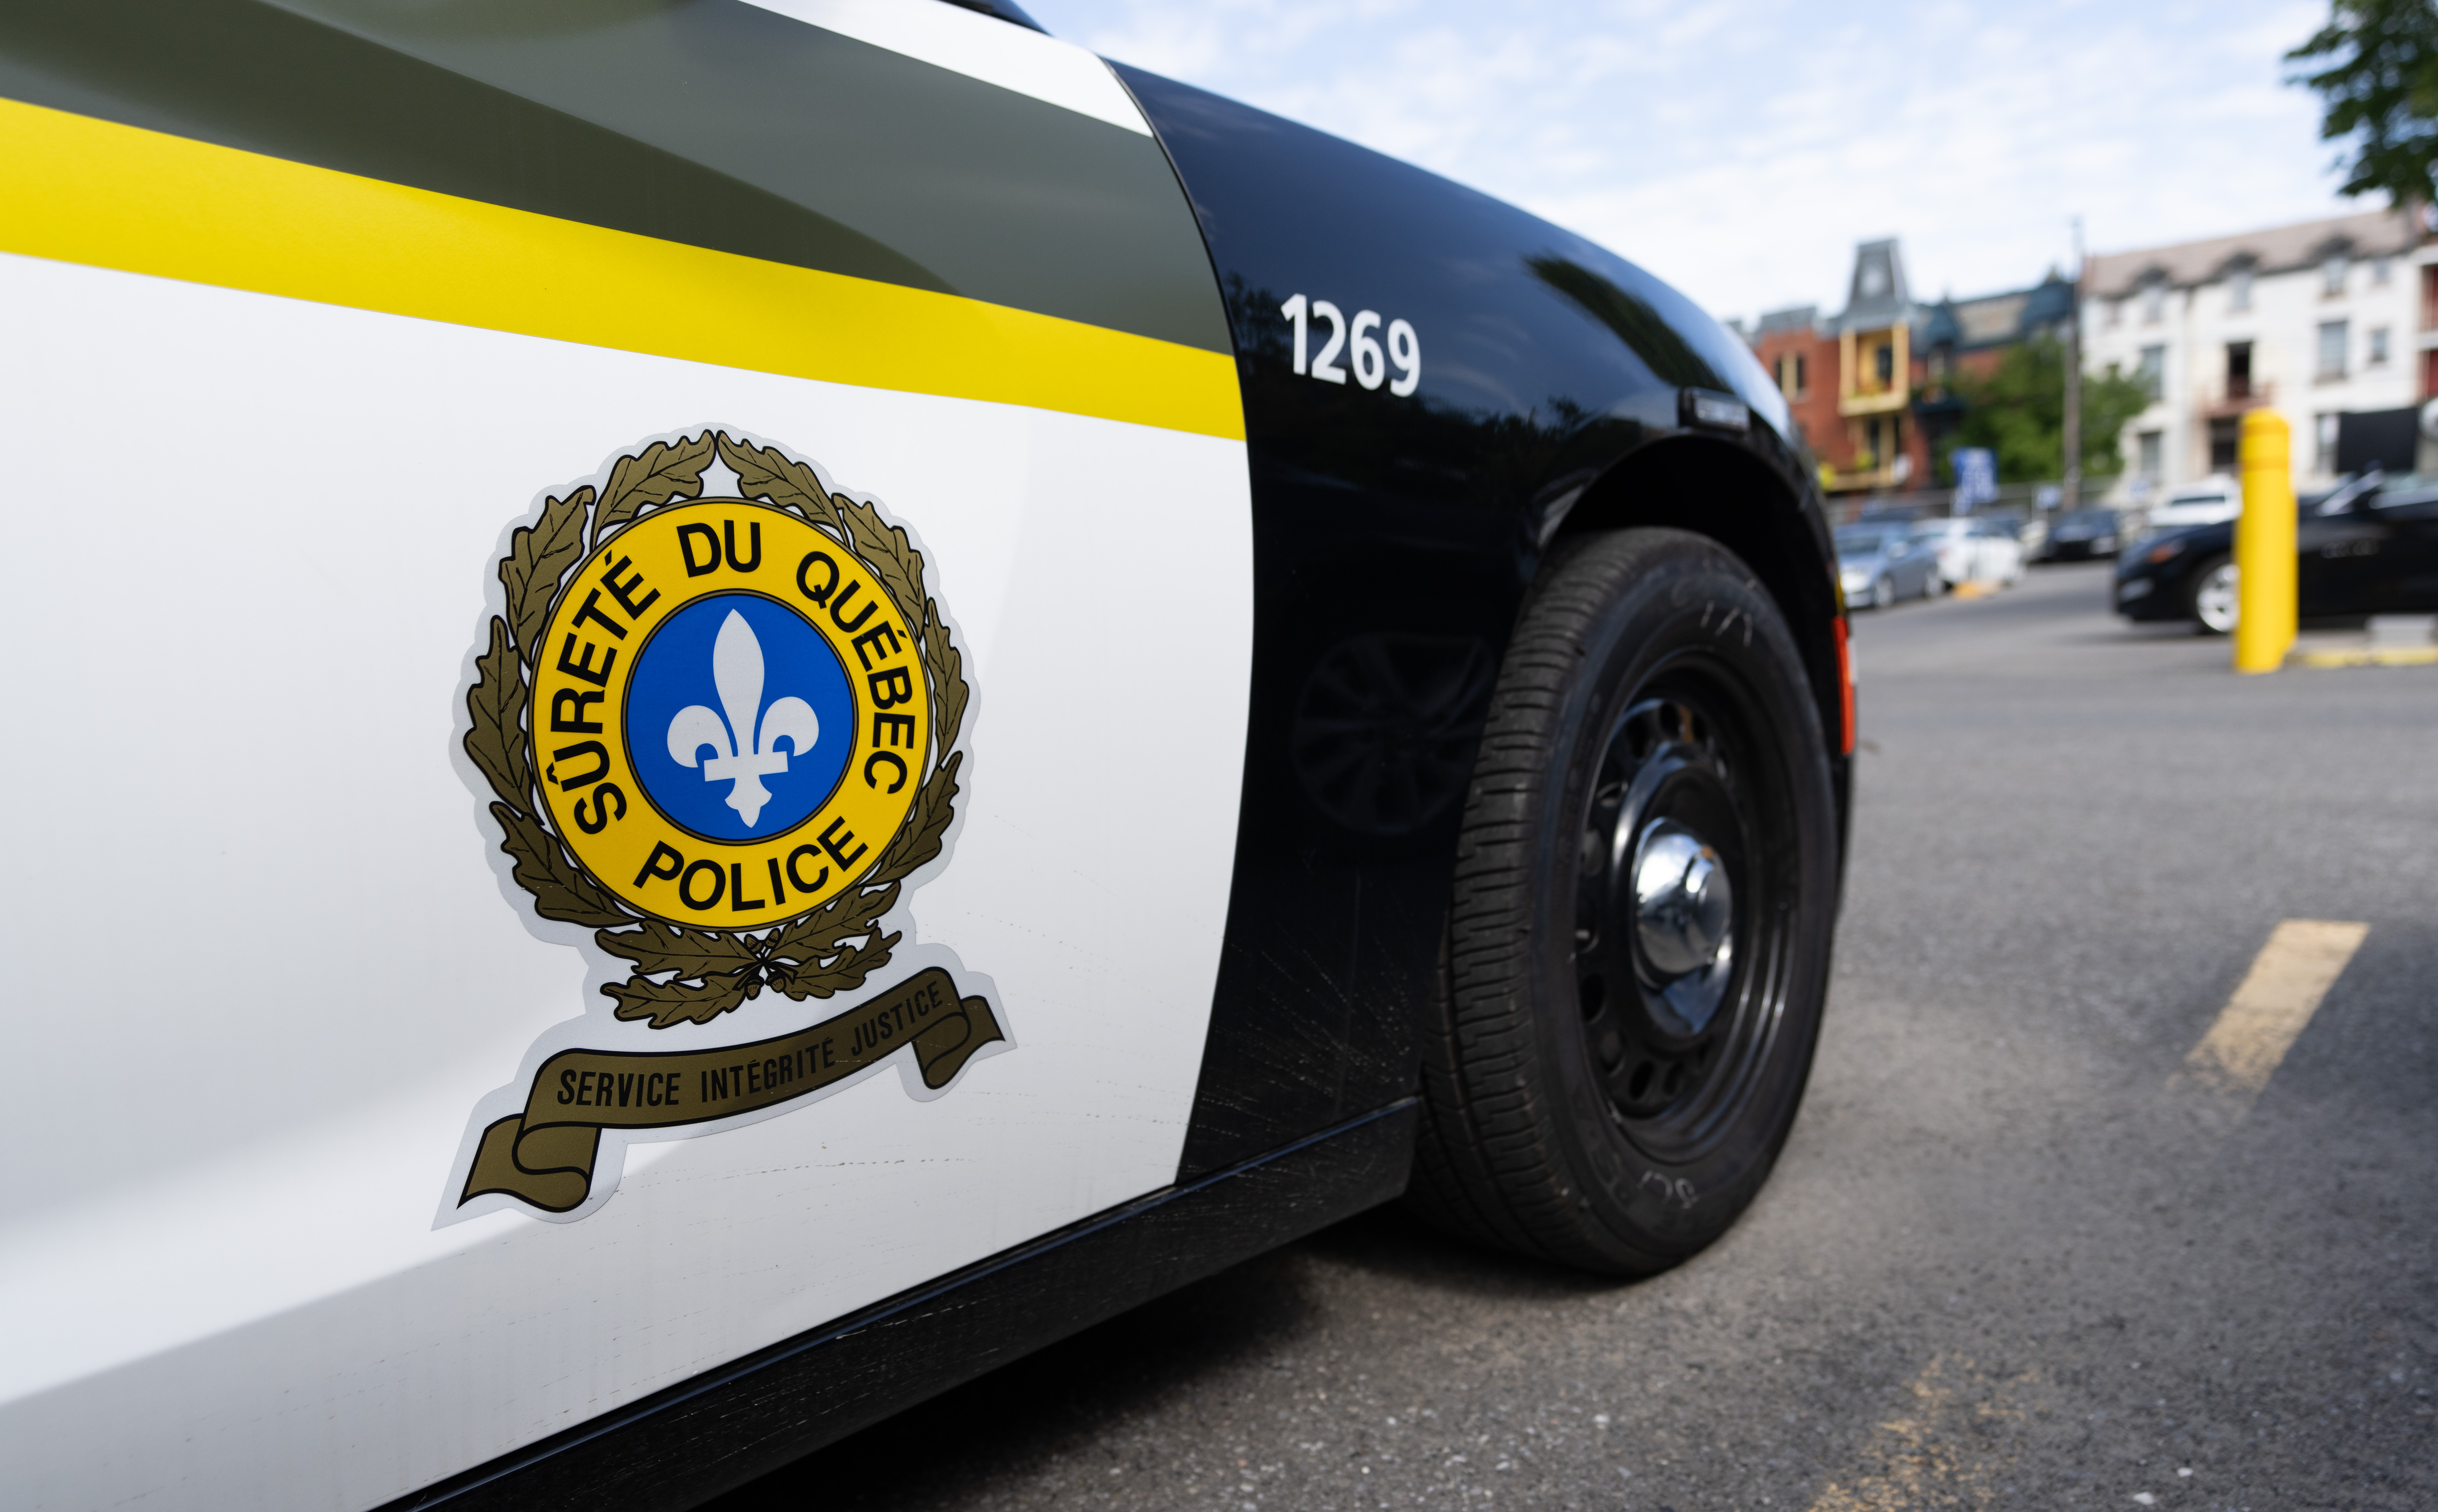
1739 148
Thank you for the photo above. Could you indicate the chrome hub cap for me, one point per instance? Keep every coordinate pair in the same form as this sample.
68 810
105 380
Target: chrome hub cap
1684 916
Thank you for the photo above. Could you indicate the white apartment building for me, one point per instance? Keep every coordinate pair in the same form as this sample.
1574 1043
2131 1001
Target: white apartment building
2308 320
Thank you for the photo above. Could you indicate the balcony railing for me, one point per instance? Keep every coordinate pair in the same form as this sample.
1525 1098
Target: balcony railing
2235 395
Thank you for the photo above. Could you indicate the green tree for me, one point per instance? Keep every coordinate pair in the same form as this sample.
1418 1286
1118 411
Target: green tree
2018 411
2379 90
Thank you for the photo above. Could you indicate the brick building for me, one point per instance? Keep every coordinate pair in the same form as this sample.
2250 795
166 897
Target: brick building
1849 379
1972 336
1868 386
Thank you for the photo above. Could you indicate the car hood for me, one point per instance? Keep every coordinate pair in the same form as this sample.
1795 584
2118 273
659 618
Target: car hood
2197 540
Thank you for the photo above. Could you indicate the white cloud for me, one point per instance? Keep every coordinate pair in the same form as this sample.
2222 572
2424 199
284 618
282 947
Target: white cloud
1741 148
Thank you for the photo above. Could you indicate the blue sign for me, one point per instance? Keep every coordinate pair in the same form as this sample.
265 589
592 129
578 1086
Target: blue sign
1977 476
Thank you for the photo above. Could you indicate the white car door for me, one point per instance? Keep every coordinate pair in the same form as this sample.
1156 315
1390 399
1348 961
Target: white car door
585 802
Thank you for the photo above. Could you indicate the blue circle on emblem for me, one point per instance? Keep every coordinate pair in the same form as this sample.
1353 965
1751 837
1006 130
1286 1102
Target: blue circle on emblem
739 717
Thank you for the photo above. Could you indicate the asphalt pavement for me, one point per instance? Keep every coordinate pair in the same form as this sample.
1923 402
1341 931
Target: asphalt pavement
2020 1251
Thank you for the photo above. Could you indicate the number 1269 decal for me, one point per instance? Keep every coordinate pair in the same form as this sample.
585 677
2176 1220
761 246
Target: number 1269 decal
1371 365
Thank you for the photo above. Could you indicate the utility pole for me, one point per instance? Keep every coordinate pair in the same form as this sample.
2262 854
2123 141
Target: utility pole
2070 497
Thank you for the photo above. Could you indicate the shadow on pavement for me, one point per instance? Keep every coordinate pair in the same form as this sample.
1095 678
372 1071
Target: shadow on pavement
1062 1401
1392 1243
1052 1402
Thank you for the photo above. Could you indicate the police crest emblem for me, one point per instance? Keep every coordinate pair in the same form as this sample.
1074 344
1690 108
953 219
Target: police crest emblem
720 732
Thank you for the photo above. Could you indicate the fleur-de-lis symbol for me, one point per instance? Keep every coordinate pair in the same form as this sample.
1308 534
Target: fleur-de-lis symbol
745 760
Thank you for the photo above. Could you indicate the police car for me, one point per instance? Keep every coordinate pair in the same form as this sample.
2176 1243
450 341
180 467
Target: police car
725 708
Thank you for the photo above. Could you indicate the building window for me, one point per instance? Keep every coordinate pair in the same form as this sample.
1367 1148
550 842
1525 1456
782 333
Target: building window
2154 371
2332 348
1883 364
2154 303
2238 370
2238 288
2113 313
2324 453
1792 379
2332 275
2150 449
2225 435
2377 355
2381 271
1881 444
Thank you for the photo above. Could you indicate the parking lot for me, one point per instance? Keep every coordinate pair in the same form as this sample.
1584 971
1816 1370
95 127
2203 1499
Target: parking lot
2025 1249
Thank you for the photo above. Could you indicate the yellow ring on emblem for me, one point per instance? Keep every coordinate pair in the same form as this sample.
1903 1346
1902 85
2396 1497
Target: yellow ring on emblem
730 715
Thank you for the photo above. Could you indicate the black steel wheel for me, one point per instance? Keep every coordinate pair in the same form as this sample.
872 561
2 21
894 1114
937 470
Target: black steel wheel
1639 938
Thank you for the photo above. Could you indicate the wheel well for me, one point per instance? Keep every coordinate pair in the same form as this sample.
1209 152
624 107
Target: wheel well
1724 492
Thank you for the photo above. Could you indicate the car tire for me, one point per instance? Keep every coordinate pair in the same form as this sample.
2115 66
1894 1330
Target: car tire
1596 1090
2210 597
1934 585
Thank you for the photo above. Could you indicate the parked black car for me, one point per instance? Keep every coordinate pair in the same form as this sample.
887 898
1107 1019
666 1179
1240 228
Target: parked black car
2081 536
2369 547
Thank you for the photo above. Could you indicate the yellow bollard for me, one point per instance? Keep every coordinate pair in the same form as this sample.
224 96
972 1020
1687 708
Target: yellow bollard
2264 548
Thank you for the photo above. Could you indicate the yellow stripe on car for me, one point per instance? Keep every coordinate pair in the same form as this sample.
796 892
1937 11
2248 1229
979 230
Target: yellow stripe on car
78 190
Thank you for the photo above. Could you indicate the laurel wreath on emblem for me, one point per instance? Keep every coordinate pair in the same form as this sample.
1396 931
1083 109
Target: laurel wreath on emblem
693 975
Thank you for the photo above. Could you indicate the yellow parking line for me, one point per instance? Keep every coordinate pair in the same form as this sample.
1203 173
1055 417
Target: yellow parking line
2382 656
2290 976
1942 1452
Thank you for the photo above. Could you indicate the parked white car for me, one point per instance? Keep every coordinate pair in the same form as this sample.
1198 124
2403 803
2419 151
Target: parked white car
1972 550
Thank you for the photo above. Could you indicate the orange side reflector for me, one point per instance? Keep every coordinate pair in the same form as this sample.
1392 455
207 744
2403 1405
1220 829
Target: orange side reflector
1845 685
